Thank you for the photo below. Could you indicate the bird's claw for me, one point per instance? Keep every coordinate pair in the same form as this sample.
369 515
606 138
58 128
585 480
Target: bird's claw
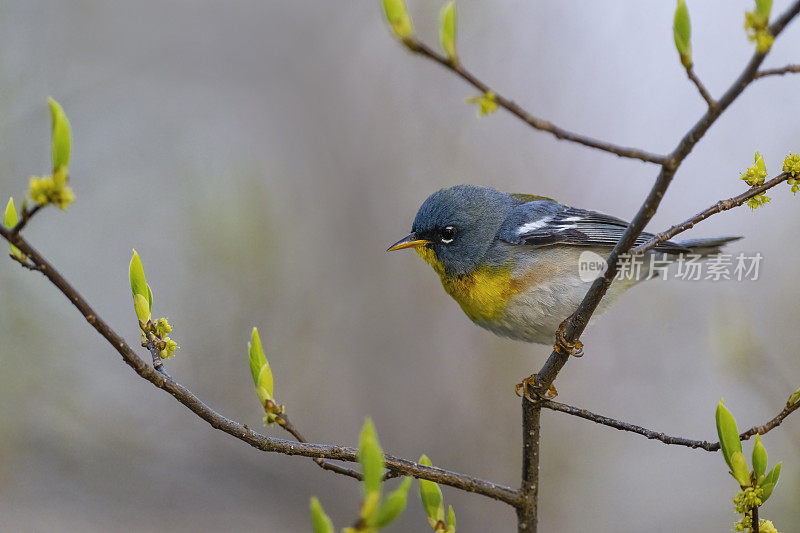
526 385
565 347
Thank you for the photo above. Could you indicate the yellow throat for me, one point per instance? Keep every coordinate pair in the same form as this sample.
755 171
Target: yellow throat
482 294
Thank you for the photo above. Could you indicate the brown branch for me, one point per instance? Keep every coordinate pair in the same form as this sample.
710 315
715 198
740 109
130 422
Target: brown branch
666 439
770 424
528 512
576 323
27 215
700 87
625 426
231 427
722 205
754 519
512 107
788 69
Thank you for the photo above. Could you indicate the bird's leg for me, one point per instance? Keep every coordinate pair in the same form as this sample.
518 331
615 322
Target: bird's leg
526 385
563 346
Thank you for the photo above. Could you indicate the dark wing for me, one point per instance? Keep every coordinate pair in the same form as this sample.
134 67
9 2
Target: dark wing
543 223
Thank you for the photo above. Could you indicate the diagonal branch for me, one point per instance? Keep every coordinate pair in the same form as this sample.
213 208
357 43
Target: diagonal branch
567 336
667 439
578 321
27 215
788 69
700 87
234 428
722 205
422 49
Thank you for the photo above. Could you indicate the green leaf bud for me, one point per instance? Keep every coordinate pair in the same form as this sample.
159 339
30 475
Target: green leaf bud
369 507
769 482
682 32
10 220
451 520
398 18
139 289
319 520
764 8
793 398
393 505
759 457
728 434
265 379
739 469
142 308
766 491
431 496
370 456
61 135
447 30
138 280
263 394
759 161
259 368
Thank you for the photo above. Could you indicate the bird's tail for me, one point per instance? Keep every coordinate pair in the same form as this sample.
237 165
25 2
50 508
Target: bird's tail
706 247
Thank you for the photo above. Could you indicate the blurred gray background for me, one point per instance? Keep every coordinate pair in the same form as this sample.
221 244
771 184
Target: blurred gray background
261 156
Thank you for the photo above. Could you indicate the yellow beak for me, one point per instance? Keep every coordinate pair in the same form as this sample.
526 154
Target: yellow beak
408 242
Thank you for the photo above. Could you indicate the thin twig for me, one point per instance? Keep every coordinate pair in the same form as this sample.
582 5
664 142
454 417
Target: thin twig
284 422
660 436
234 428
700 87
770 424
512 107
27 215
576 323
722 205
788 69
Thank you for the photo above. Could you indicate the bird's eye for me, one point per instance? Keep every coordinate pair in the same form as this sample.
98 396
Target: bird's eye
448 234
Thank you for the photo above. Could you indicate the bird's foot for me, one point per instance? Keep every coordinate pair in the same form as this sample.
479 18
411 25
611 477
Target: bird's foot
526 385
563 346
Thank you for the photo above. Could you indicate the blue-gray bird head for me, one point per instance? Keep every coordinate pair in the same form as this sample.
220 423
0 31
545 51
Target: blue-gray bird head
457 225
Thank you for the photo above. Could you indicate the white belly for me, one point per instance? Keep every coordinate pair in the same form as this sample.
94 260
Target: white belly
535 314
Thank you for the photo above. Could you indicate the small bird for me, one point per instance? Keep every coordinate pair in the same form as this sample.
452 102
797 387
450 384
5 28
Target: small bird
511 261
